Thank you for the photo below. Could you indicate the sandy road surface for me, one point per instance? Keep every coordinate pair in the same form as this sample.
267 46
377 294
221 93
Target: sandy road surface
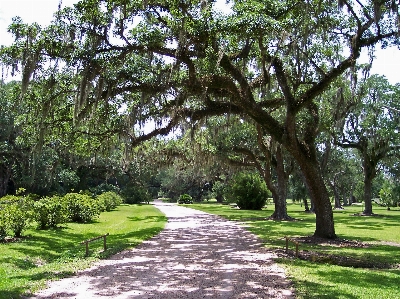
198 255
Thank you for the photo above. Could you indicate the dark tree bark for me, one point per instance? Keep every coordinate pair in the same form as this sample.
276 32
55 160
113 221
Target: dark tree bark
304 151
323 209
306 208
219 198
280 212
5 175
319 195
312 206
369 175
338 205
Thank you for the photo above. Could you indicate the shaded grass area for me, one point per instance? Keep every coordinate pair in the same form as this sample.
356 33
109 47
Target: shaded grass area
43 255
323 278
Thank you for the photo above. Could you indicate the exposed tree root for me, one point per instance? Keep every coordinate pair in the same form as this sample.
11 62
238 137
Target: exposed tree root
281 218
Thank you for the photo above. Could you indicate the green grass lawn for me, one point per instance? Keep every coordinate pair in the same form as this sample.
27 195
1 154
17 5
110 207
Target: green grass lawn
324 279
43 255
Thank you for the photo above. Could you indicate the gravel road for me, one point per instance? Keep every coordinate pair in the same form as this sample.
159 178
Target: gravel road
197 255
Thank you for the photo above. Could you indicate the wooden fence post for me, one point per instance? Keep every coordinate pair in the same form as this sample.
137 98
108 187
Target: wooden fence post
295 242
86 242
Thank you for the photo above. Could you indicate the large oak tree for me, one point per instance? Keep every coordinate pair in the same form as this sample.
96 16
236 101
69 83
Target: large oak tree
371 128
169 60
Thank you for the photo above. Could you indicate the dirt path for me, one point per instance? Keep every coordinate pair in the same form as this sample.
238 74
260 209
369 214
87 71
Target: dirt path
198 255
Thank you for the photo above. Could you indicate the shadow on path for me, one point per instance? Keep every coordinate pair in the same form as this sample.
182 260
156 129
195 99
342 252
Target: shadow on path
198 255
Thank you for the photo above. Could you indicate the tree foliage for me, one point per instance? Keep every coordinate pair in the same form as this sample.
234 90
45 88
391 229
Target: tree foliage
172 60
372 127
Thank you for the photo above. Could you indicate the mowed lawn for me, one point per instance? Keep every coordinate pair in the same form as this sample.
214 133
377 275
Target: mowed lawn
42 255
322 277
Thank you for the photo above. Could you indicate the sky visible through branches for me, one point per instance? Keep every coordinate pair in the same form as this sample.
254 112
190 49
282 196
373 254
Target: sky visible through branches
387 61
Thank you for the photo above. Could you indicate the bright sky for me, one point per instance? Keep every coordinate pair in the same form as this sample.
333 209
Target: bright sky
39 11
387 61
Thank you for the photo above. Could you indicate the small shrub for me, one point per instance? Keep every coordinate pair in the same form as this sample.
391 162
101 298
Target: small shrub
49 212
136 194
389 194
185 199
81 207
109 200
249 191
15 219
16 213
218 190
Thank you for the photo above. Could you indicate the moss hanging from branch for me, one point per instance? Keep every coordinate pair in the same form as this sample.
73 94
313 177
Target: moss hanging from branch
82 103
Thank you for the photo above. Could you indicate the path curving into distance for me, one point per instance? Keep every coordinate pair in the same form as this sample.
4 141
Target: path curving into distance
197 255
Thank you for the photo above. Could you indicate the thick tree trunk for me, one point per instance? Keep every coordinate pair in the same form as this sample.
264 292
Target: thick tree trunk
312 206
219 198
324 226
280 208
338 205
5 175
369 175
278 190
367 196
306 208
280 212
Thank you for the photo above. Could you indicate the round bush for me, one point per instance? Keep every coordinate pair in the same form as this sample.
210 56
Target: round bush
185 199
249 191
109 200
49 212
81 207
15 213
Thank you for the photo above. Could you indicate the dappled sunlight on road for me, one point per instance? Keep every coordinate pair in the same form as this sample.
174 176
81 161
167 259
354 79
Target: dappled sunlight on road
198 255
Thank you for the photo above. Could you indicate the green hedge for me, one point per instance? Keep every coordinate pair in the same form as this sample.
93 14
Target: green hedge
16 212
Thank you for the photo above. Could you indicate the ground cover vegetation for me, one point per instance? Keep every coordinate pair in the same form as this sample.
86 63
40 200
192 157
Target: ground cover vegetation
92 79
179 100
362 263
40 255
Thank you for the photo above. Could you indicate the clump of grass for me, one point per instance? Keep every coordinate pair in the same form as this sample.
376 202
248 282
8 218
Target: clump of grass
42 255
